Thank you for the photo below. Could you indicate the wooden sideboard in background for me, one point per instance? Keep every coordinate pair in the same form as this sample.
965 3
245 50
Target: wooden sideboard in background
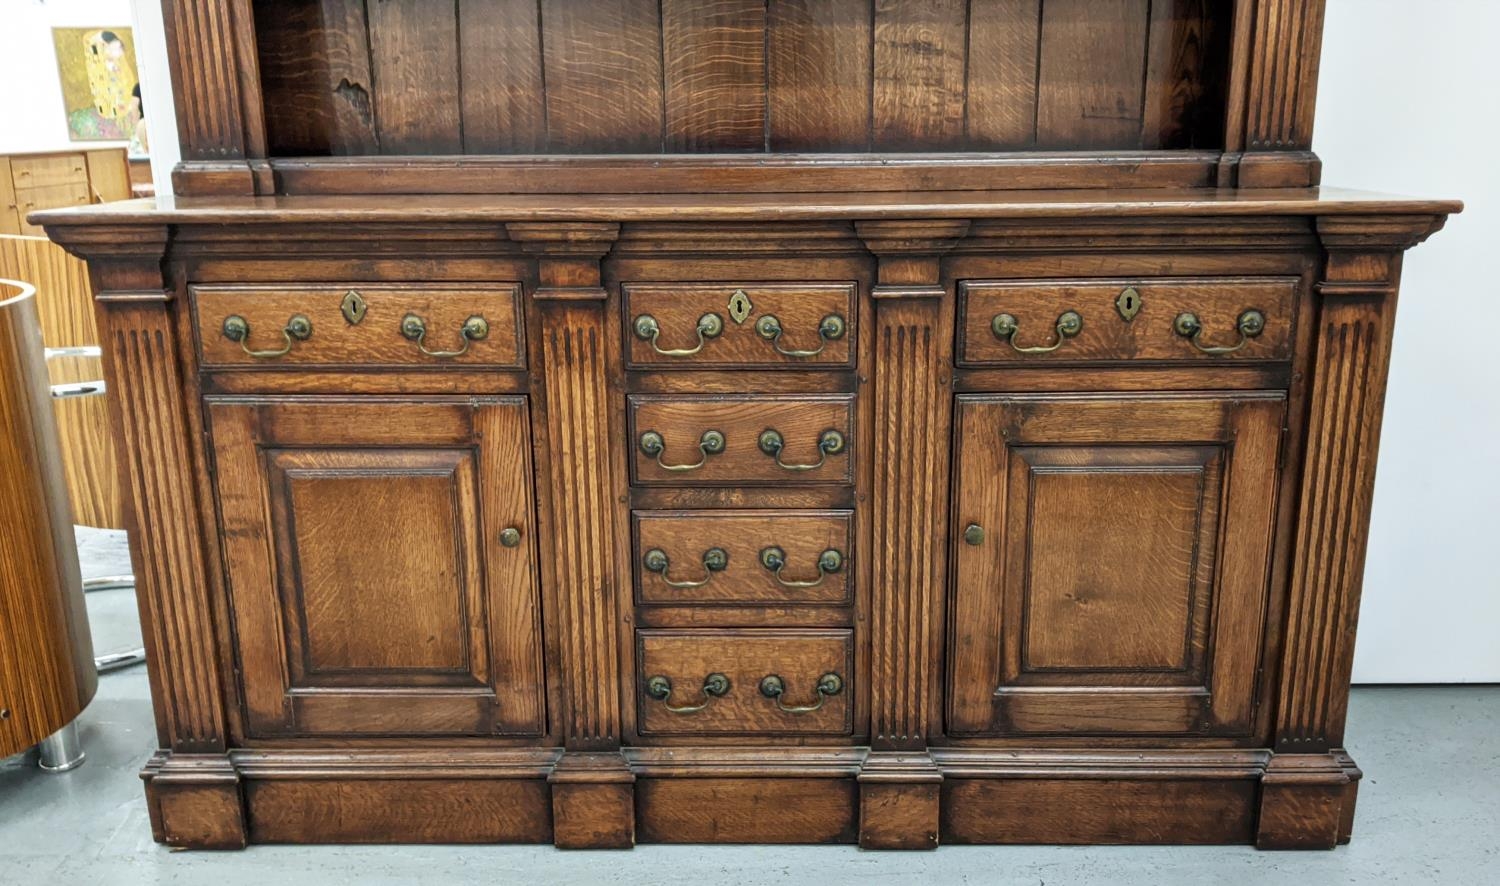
29 182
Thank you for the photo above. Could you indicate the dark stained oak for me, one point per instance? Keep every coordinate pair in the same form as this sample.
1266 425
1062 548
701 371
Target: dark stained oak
1052 582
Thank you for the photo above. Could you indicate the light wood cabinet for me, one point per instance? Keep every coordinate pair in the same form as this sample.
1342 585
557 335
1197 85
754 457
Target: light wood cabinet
29 182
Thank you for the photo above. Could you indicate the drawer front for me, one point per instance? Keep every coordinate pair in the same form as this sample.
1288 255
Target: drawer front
1010 322
744 557
48 171
744 682
748 440
361 325
730 325
29 200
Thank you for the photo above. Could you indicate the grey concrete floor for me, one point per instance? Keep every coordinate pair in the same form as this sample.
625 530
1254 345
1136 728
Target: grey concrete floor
1429 812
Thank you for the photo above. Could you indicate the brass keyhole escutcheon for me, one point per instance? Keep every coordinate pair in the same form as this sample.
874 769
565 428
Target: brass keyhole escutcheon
1128 304
353 307
740 306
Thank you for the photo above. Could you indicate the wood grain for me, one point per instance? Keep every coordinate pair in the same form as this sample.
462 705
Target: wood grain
1027 653
742 534
501 81
801 421
800 310
47 671
65 302
1089 89
377 340
919 75
818 77
800 658
372 593
604 76
714 53
416 79
1004 40
1038 305
315 70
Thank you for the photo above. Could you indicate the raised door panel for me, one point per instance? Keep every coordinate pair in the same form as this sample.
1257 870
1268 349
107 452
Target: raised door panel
376 589
1116 581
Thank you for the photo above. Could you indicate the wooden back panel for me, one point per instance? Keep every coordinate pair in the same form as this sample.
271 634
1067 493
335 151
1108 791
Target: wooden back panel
684 77
65 302
46 658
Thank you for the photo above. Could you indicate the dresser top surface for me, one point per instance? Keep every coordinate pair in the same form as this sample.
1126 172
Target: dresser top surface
758 207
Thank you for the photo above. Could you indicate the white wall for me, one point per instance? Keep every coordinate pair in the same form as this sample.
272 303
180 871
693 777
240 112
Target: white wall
1407 104
31 101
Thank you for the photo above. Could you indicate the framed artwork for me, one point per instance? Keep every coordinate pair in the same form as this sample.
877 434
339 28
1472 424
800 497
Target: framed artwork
100 86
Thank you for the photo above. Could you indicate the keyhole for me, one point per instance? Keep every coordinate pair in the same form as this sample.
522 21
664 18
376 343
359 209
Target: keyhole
1128 304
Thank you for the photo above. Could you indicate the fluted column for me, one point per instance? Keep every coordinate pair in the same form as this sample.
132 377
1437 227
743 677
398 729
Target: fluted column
911 375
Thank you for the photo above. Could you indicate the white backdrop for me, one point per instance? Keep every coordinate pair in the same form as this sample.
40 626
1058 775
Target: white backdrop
1407 103
1432 594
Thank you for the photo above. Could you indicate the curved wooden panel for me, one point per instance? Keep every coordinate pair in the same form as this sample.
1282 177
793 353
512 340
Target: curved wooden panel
46 656
65 302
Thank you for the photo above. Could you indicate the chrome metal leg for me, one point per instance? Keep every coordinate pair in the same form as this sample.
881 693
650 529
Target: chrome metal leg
61 750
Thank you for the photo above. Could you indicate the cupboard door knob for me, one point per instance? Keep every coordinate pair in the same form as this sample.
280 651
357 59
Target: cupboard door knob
237 329
974 534
1250 325
774 559
510 536
773 687
771 443
714 560
414 328
1005 327
654 445
830 329
714 686
647 329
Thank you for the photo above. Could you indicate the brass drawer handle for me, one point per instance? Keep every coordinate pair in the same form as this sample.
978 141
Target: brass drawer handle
773 687
714 686
647 329
1250 325
771 443
474 329
714 560
774 559
830 329
1005 327
654 445
237 329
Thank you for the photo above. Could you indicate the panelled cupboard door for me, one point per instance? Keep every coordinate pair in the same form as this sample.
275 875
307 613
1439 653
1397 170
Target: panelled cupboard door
1112 563
380 564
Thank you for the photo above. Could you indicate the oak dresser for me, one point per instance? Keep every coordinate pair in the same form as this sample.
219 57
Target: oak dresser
601 421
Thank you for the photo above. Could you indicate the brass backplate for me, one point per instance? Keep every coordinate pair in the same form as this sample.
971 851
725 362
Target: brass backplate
354 307
740 306
1128 304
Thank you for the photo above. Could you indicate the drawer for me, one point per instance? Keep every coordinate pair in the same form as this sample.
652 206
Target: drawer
746 682
730 325
744 557
1009 322
29 200
748 440
361 325
51 170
